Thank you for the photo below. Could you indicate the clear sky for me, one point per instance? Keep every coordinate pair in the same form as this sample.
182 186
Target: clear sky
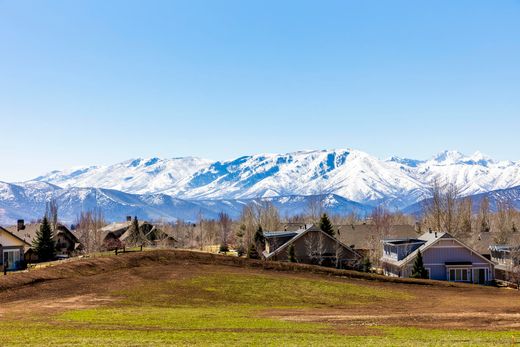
97 82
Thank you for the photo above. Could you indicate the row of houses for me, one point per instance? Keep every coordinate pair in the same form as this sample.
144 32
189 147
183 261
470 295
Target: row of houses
445 258
16 242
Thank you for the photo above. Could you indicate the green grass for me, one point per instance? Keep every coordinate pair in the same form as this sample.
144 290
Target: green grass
230 309
257 291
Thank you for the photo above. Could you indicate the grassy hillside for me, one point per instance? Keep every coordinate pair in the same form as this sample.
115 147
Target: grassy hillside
179 298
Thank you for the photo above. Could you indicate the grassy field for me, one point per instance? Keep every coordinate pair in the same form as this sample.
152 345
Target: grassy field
187 303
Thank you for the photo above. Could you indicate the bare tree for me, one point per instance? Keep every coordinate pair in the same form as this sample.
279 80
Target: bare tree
503 221
315 247
513 268
249 222
484 223
315 208
224 222
88 228
267 215
441 211
51 212
382 224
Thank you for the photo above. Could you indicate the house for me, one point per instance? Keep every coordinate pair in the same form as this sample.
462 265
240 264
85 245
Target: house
12 249
67 243
445 258
115 235
311 246
507 258
363 238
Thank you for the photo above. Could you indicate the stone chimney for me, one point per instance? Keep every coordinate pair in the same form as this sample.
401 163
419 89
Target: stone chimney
128 218
20 225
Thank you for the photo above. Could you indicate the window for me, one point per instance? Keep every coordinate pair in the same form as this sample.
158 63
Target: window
12 256
459 275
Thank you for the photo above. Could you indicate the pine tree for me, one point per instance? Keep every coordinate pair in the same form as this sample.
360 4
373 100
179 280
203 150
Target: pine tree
291 253
259 238
136 236
418 270
252 253
326 225
44 244
367 265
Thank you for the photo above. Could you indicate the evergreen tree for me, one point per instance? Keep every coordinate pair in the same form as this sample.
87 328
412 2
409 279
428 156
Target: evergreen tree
252 253
224 248
259 238
291 253
326 225
44 244
136 236
367 265
418 270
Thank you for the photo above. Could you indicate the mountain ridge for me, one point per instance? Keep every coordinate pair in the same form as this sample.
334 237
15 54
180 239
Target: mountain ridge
350 173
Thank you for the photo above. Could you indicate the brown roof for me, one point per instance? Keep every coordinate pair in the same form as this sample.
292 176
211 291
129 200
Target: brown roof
486 239
29 233
364 236
6 230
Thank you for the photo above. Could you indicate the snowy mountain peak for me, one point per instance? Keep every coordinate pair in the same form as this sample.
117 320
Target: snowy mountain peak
349 173
448 157
456 157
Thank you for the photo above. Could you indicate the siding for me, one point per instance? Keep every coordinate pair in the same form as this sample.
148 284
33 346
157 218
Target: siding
449 252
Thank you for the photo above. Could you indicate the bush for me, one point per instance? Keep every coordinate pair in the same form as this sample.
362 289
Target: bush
223 248
252 253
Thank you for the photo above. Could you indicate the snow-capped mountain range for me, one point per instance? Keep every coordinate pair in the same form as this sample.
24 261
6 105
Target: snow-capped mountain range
346 175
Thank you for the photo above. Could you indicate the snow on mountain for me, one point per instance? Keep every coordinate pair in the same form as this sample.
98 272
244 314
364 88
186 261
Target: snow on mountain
133 176
27 201
348 173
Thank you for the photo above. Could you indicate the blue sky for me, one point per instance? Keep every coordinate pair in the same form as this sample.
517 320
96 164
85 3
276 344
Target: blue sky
96 82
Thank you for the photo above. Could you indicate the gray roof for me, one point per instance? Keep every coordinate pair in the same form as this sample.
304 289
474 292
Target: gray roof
430 238
275 234
299 233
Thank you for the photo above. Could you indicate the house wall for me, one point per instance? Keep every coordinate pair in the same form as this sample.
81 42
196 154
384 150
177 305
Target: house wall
310 243
435 257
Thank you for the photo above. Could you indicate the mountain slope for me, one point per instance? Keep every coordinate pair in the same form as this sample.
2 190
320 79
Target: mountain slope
351 174
27 201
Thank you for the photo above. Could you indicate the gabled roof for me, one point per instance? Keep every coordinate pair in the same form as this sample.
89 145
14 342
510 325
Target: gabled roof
3 230
28 234
301 233
431 238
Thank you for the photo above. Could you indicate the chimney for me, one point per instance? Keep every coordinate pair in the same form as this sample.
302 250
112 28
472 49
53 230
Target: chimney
20 225
128 218
430 230
435 234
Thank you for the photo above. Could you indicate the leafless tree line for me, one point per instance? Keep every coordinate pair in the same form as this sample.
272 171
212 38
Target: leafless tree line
448 211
